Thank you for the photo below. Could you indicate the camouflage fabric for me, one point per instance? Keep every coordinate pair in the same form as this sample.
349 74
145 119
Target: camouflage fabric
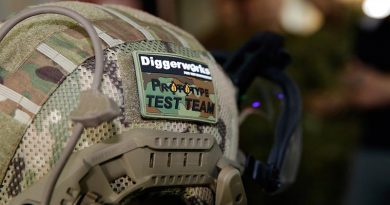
52 85
74 45
148 20
37 29
11 131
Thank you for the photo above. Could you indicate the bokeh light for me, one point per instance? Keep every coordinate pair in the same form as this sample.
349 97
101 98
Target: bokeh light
377 9
300 17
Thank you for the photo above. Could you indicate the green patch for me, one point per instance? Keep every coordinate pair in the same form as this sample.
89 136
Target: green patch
175 87
70 47
3 72
29 177
27 95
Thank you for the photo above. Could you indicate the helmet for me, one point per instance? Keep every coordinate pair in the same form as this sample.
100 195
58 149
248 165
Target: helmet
110 105
169 107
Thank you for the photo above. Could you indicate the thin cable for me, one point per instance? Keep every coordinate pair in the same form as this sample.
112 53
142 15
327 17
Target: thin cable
98 76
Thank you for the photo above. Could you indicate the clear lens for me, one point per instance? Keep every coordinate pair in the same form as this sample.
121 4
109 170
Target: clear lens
292 159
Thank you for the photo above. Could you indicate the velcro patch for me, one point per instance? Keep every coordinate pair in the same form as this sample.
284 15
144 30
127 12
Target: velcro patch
175 87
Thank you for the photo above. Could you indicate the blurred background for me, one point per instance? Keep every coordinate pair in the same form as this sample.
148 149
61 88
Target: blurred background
339 50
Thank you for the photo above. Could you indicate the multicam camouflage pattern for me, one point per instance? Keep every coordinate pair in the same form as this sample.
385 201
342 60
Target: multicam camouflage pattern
73 44
39 75
45 138
146 20
24 37
54 92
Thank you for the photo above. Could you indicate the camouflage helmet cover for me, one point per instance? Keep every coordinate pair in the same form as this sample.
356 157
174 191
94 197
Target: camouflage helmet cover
47 61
